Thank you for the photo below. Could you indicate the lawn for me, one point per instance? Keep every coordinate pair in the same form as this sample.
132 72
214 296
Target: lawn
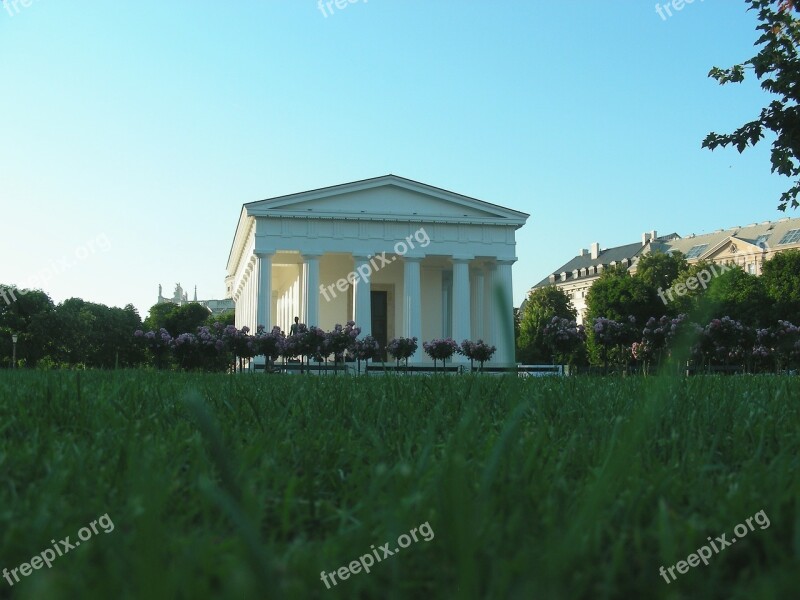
249 486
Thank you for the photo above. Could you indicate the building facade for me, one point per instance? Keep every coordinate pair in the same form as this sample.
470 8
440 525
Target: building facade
398 257
577 276
748 247
181 297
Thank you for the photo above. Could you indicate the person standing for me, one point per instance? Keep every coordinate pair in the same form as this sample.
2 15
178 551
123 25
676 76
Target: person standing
295 328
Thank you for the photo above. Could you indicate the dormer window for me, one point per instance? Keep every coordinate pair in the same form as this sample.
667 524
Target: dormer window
791 237
696 251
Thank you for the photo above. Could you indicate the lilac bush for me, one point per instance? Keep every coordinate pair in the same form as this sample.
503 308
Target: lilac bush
779 343
292 345
207 349
725 341
366 349
657 337
269 344
607 332
610 337
315 343
185 349
440 349
480 351
342 340
402 348
158 345
240 343
564 337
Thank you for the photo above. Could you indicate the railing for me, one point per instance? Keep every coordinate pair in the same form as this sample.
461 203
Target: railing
296 367
386 368
522 370
450 369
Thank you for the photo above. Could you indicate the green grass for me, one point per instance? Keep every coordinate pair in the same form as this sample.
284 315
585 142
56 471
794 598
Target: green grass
249 486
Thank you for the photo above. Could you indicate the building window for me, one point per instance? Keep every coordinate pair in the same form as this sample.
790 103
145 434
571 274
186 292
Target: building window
751 268
791 237
761 241
696 251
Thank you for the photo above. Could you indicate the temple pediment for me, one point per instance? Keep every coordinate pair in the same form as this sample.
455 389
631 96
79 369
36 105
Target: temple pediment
386 197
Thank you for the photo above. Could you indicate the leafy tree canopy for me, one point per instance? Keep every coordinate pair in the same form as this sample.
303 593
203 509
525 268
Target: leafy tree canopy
781 278
537 311
616 295
226 318
659 269
688 302
738 295
186 318
777 66
157 316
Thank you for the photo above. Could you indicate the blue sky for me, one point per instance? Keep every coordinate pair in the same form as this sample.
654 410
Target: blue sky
132 133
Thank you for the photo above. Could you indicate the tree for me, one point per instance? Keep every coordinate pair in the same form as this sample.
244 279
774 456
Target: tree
75 344
781 278
777 66
659 270
177 319
158 314
225 318
737 295
92 335
617 295
566 340
20 314
688 302
536 312
186 318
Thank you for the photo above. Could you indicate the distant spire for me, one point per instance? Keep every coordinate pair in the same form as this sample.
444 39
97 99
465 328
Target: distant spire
195 293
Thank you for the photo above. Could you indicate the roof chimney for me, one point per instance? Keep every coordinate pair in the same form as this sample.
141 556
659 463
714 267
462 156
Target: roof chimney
653 235
595 250
583 252
645 238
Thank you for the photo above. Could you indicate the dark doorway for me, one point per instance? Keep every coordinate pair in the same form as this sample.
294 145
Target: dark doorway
380 318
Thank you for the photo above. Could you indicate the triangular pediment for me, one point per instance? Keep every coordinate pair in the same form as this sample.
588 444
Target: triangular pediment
730 248
385 197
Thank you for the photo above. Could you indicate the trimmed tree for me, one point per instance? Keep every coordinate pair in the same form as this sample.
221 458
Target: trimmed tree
536 312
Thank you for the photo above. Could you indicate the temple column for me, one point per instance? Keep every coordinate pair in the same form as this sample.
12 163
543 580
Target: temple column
504 334
477 304
461 309
489 313
264 290
412 303
311 289
362 308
